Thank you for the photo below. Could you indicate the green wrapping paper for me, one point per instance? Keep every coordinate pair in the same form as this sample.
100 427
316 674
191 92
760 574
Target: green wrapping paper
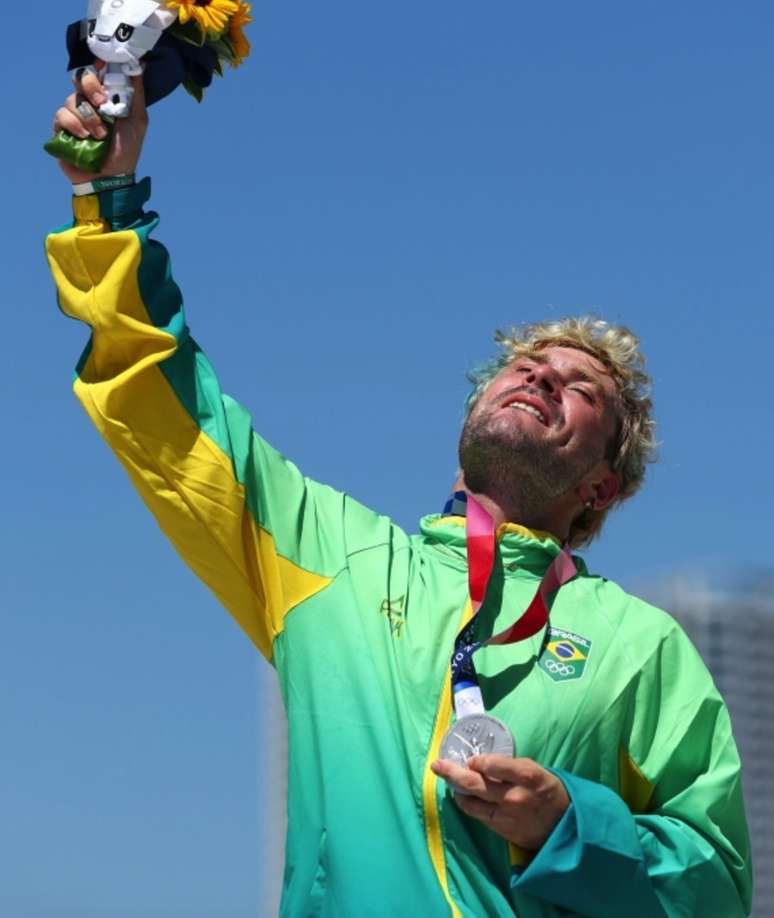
87 153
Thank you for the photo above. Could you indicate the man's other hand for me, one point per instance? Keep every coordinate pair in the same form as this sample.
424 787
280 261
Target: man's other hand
513 797
128 133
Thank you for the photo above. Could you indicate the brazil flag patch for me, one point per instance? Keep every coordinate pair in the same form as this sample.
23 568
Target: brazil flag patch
565 655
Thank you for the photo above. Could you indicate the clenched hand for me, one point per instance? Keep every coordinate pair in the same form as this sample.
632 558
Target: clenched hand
128 133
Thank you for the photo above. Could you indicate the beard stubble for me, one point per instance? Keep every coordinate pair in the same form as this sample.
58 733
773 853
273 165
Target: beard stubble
514 466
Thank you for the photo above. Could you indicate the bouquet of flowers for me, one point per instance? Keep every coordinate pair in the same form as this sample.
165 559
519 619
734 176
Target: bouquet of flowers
180 42
217 25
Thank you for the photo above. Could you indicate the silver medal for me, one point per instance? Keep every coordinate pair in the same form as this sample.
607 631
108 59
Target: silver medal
476 734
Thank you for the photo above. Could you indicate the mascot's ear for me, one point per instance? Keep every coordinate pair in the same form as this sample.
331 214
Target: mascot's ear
77 47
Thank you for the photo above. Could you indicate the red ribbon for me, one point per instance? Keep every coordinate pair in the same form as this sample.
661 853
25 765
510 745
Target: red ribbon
481 541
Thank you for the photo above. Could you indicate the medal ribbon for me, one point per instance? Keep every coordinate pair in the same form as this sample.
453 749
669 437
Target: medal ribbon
481 543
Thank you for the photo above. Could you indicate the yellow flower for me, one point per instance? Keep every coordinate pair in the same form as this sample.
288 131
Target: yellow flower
239 20
211 15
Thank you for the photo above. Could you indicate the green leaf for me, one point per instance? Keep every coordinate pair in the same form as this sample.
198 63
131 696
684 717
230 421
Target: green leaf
224 49
191 32
193 88
229 44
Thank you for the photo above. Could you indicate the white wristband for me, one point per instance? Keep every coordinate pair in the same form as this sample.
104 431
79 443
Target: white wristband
105 183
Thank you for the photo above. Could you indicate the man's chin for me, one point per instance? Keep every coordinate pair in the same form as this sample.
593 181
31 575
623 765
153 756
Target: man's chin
521 470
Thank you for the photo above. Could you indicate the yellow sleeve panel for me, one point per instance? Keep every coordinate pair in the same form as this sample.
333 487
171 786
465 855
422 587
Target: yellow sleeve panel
183 475
635 788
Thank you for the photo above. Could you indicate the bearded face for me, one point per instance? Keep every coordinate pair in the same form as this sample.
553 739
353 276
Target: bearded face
540 426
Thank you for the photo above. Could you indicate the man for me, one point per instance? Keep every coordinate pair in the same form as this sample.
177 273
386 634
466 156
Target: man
623 797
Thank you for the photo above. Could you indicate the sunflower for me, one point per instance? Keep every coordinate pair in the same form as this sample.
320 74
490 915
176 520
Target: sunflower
210 15
239 20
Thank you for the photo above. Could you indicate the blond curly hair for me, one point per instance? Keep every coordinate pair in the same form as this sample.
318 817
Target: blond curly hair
617 348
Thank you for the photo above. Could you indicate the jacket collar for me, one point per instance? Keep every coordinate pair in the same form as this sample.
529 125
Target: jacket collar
518 546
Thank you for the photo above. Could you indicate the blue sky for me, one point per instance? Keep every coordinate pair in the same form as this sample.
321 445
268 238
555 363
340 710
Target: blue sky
350 216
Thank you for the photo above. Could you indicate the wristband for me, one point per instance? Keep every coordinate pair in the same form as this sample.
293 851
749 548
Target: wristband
106 183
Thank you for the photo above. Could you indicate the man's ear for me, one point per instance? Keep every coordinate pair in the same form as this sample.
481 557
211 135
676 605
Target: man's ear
601 488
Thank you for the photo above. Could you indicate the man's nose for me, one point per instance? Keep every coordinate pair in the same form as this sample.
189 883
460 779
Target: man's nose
545 377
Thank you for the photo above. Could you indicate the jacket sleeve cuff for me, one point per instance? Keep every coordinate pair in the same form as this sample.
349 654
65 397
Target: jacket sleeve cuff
119 208
593 861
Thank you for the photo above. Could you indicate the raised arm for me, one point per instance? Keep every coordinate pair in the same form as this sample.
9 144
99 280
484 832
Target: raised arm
259 534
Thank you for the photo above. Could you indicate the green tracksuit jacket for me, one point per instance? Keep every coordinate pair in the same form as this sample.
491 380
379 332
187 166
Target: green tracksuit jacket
359 620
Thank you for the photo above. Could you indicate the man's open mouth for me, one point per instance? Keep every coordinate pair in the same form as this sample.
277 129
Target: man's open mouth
523 406
529 403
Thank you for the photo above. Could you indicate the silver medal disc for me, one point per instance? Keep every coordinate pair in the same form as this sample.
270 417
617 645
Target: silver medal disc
476 734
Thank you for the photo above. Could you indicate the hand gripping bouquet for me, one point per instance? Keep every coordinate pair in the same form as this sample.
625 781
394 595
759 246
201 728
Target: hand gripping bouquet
171 42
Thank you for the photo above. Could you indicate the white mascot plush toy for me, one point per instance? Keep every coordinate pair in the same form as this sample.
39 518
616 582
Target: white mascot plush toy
120 32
